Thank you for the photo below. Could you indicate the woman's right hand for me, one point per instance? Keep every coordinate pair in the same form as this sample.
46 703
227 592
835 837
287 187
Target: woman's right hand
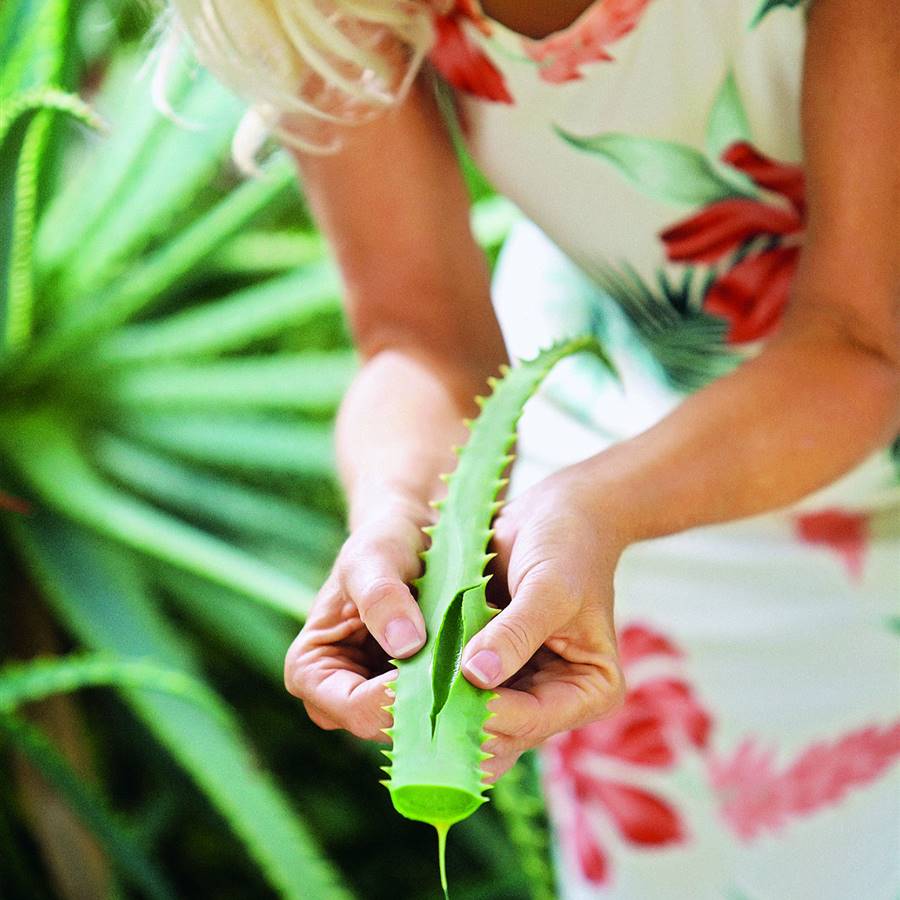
363 616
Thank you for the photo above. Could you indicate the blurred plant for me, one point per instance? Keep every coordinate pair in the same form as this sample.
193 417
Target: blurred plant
172 353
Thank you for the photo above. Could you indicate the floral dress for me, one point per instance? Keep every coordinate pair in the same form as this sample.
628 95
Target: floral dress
654 149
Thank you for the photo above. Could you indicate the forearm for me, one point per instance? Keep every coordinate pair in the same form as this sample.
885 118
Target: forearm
797 417
396 429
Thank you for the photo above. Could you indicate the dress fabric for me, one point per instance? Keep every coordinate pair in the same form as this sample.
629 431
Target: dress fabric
654 149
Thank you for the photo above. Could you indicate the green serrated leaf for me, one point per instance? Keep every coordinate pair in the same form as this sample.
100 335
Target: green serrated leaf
310 382
663 170
37 679
24 129
48 457
98 593
436 773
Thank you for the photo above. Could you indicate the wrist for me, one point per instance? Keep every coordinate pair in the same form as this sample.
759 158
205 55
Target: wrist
606 485
377 500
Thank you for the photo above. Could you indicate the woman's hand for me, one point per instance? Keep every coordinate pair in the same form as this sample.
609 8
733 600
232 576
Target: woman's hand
551 652
363 616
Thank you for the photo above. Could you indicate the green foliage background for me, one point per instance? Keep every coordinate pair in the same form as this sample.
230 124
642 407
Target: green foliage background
172 352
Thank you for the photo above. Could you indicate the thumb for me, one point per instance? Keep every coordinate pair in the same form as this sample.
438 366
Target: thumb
505 644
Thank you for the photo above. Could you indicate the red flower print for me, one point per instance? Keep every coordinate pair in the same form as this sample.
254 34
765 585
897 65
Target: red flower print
753 292
845 533
585 40
756 798
459 59
660 720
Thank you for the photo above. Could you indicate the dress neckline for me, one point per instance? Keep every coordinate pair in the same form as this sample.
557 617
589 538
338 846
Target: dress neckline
560 33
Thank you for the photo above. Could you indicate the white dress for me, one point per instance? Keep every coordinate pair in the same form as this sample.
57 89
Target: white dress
654 147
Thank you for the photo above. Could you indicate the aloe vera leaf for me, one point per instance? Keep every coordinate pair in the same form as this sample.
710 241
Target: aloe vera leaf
98 593
259 636
90 806
248 443
230 323
48 458
436 772
150 279
311 382
166 185
37 679
32 38
215 500
260 252
136 131
24 130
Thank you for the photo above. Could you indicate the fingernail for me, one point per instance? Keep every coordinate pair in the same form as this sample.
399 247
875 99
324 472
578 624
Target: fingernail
485 666
401 637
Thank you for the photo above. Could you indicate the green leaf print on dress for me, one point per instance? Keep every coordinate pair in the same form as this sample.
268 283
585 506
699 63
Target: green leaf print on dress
767 6
664 170
742 238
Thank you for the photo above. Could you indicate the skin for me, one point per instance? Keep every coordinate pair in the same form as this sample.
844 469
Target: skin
425 327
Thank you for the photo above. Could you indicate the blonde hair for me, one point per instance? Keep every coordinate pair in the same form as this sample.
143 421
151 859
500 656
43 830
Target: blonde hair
306 66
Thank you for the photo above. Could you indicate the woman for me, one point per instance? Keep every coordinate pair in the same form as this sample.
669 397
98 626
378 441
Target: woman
738 483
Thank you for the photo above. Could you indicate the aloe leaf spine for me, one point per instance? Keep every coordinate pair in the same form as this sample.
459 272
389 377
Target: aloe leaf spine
438 731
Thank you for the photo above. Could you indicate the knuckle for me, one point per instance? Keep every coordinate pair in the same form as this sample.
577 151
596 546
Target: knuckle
380 592
514 632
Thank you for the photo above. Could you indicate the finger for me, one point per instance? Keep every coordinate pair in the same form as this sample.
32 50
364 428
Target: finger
563 696
319 718
505 644
513 714
373 582
499 764
356 703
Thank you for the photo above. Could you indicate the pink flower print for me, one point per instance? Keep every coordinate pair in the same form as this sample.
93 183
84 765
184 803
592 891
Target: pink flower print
755 797
586 40
660 720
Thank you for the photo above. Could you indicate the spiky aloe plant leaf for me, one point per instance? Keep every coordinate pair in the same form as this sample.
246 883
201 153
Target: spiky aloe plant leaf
37 679
438 731
48 457
101 596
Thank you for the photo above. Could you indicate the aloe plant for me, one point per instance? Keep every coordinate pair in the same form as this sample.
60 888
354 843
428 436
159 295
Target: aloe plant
436 775
172 353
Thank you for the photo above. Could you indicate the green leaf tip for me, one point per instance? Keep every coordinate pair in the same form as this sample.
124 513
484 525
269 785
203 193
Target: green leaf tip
439 717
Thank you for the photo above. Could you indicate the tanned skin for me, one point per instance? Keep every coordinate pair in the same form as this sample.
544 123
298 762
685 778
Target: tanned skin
394 206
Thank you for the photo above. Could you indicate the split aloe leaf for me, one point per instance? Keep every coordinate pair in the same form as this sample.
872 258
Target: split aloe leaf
438 732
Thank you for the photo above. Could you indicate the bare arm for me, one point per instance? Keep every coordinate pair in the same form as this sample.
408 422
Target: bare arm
822 396
394 206
826 391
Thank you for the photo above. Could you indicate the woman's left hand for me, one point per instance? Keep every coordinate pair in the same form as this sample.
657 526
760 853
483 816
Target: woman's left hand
551 652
